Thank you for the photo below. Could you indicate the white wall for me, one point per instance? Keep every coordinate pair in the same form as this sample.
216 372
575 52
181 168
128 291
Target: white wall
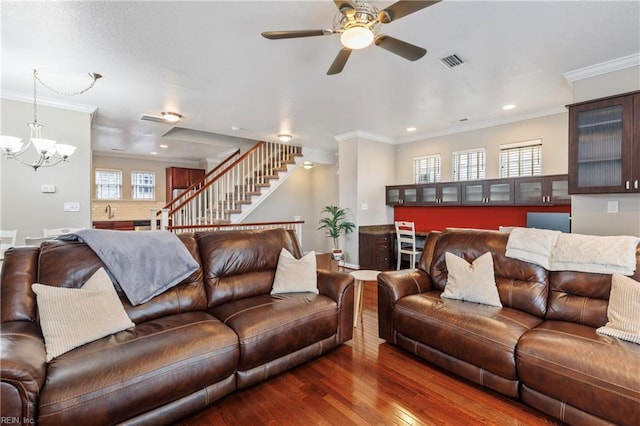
552 129
303 194
22 204
589 213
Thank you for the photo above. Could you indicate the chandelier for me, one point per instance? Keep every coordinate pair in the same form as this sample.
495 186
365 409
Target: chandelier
49 152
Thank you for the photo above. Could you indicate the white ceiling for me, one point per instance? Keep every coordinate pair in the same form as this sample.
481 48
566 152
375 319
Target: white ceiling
208 61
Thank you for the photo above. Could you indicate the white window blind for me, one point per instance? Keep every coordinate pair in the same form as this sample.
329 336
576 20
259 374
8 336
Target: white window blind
469 165
427 169
143 185
108 184
521 159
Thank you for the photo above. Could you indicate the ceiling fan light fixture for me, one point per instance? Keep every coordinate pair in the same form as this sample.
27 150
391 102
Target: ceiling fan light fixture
284 138
356 37
171 117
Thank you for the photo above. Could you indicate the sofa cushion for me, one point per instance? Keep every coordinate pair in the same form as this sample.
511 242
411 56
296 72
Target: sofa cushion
573 364
123 375
473 282
623 311
482 335
295 275
269 327
521 285
71 317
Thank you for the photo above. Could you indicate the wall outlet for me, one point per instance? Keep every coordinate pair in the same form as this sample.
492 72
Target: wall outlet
48 189
612 207
71 206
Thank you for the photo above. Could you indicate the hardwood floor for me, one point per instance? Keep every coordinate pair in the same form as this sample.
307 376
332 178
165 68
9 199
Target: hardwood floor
367 381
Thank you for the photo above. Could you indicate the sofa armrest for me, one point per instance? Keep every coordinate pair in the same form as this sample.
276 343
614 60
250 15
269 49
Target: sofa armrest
339 287
22 370
392 286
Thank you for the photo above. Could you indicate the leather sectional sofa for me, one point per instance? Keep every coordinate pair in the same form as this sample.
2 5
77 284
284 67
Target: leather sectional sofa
217 331
541 346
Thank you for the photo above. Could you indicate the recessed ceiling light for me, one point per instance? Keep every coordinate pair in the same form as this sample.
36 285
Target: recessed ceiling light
411 129
164 146
237 128
284 138
508 107
153 153
171 117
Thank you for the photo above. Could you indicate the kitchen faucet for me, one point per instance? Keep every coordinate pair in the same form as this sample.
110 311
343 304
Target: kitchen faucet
108 210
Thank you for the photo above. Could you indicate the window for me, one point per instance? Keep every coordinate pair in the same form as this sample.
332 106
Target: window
143 185
469 165
427 169
108 184
521 159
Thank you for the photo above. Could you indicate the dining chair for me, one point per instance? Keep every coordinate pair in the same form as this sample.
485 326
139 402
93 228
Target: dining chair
7 240
406 241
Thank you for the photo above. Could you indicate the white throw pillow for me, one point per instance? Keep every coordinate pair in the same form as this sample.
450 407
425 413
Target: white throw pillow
623 312
295 275
473 282
72 317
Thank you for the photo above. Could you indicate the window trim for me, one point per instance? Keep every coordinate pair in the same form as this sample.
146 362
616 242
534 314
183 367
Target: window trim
134 186
482 169
95 183
437 174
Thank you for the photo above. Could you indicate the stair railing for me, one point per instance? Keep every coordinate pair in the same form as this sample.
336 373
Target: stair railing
234 185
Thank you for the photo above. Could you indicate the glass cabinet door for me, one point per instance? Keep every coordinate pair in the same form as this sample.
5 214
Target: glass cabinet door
500 192
429 195
450 193
473 193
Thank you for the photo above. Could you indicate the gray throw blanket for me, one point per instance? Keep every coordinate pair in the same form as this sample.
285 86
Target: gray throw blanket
144 264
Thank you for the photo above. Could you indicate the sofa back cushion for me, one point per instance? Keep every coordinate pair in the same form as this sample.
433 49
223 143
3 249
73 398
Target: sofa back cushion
582 297
71 264
521 285
239 264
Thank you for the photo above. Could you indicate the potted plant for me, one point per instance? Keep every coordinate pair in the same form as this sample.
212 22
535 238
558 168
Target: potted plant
335 223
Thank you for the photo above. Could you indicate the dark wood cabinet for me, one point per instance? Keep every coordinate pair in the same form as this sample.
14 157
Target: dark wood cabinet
487 192
552 190
447 193
604 145
402 195
117 225
181 178
376 247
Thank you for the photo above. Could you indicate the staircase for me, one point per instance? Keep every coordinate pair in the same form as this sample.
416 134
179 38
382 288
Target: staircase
228 193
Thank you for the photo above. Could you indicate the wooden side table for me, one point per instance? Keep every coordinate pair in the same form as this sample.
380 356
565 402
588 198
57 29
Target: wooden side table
361 276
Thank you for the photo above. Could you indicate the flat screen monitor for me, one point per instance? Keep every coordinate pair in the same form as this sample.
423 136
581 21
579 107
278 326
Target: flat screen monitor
555 221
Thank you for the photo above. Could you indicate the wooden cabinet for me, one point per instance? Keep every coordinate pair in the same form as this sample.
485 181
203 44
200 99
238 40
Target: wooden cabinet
402 195
117 225
447 193
181 178
487 192
604 145
376 247
552 189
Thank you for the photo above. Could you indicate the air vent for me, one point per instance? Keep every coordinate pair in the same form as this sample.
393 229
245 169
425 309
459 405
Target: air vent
451 61
155 118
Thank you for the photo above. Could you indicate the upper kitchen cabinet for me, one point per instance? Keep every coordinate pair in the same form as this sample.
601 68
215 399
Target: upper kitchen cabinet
604 145
402 195
487 192
541 190
439 193
180 178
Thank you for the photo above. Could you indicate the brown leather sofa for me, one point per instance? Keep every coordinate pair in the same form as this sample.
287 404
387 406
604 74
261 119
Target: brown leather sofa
541 346
218 331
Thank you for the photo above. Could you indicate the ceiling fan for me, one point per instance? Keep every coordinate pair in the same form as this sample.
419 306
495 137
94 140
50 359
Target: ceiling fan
358 24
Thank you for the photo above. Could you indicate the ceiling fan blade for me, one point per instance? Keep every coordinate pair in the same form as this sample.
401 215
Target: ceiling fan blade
400 48
275 35
403 8
340 61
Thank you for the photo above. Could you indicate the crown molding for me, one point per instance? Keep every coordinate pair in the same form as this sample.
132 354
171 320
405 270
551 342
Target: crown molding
20 97
365 135
603 68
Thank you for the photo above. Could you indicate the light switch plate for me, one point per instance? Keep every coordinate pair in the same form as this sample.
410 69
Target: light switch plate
612 207
48 189
71 206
